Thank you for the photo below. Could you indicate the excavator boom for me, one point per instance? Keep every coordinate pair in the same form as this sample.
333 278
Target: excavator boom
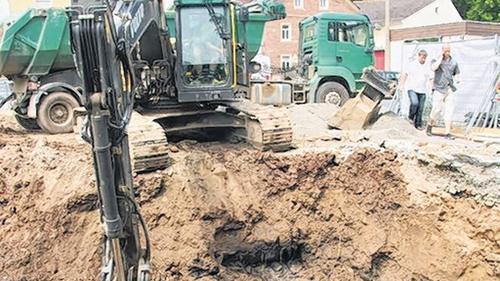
106 35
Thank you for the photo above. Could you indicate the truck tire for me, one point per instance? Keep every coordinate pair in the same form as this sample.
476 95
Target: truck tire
27 123
55 113
332 92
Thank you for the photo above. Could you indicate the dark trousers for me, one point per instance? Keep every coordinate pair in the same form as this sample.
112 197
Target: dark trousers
417 102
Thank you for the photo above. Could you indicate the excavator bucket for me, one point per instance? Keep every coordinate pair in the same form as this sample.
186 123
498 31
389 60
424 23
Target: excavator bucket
359 112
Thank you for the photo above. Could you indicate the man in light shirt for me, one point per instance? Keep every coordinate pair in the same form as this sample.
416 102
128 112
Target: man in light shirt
446 74
417 78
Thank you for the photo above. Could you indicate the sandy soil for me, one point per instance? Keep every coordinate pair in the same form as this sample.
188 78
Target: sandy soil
347 208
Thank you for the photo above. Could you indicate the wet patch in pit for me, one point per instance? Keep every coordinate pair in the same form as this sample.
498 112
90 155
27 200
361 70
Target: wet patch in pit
232 250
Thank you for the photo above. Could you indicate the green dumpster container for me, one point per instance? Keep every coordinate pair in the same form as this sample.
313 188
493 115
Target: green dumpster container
37 43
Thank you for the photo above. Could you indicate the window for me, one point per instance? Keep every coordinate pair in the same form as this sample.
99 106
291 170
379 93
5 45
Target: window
323 4
298 4
354 32
285 62
204 53
332 31
286 32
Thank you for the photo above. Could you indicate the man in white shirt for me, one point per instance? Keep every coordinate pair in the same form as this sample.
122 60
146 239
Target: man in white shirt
417 77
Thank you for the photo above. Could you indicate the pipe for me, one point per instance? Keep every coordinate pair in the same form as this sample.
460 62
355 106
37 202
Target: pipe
105 175
234 43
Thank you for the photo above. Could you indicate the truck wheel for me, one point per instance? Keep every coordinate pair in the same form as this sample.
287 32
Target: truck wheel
55 113
27 123
332 92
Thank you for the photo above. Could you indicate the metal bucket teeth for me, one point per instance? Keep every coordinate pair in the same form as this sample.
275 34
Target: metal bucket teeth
148 145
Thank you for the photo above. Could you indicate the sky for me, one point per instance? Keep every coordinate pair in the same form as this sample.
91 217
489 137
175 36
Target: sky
4 10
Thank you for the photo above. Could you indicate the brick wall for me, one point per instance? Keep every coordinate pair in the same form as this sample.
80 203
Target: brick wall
275 48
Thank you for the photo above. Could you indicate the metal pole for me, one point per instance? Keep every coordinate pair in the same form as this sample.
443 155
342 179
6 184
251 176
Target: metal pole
387 52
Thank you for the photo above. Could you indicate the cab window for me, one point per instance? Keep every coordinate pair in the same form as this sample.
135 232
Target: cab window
351 31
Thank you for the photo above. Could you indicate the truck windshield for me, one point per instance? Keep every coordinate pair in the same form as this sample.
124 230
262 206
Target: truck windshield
354 32
204 52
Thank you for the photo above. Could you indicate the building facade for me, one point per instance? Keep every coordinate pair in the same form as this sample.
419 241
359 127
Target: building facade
405 14
281 38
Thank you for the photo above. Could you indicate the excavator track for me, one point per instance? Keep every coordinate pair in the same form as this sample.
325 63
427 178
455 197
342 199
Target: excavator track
148 145
267 127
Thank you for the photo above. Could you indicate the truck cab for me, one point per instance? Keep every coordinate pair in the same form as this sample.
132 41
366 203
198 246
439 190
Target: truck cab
334 49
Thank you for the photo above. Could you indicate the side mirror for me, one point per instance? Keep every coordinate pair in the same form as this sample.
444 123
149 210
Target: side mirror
370 46
244 15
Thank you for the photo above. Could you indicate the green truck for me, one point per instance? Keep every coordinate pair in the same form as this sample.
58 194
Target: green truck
35 53
334 49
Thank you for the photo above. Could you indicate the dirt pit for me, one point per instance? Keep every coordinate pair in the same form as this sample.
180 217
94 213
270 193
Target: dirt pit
228 212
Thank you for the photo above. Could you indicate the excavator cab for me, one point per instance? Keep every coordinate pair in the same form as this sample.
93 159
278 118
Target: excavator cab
206 48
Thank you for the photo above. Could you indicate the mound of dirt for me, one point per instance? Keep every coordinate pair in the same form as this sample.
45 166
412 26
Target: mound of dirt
310 121
228 212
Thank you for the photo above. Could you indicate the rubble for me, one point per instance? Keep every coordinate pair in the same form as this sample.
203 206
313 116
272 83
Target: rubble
370 205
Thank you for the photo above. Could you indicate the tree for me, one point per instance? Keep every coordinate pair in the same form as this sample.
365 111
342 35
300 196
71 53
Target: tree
462 6
485 10
482 10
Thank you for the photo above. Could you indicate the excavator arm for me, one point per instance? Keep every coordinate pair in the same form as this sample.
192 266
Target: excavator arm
111 55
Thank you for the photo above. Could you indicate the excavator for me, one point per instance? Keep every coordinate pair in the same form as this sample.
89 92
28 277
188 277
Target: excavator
138 88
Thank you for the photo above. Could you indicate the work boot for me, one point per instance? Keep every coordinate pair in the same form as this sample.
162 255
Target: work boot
429 130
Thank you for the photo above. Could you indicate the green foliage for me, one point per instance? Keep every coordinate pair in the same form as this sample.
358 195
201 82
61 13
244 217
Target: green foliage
482 10
462 6
485 10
